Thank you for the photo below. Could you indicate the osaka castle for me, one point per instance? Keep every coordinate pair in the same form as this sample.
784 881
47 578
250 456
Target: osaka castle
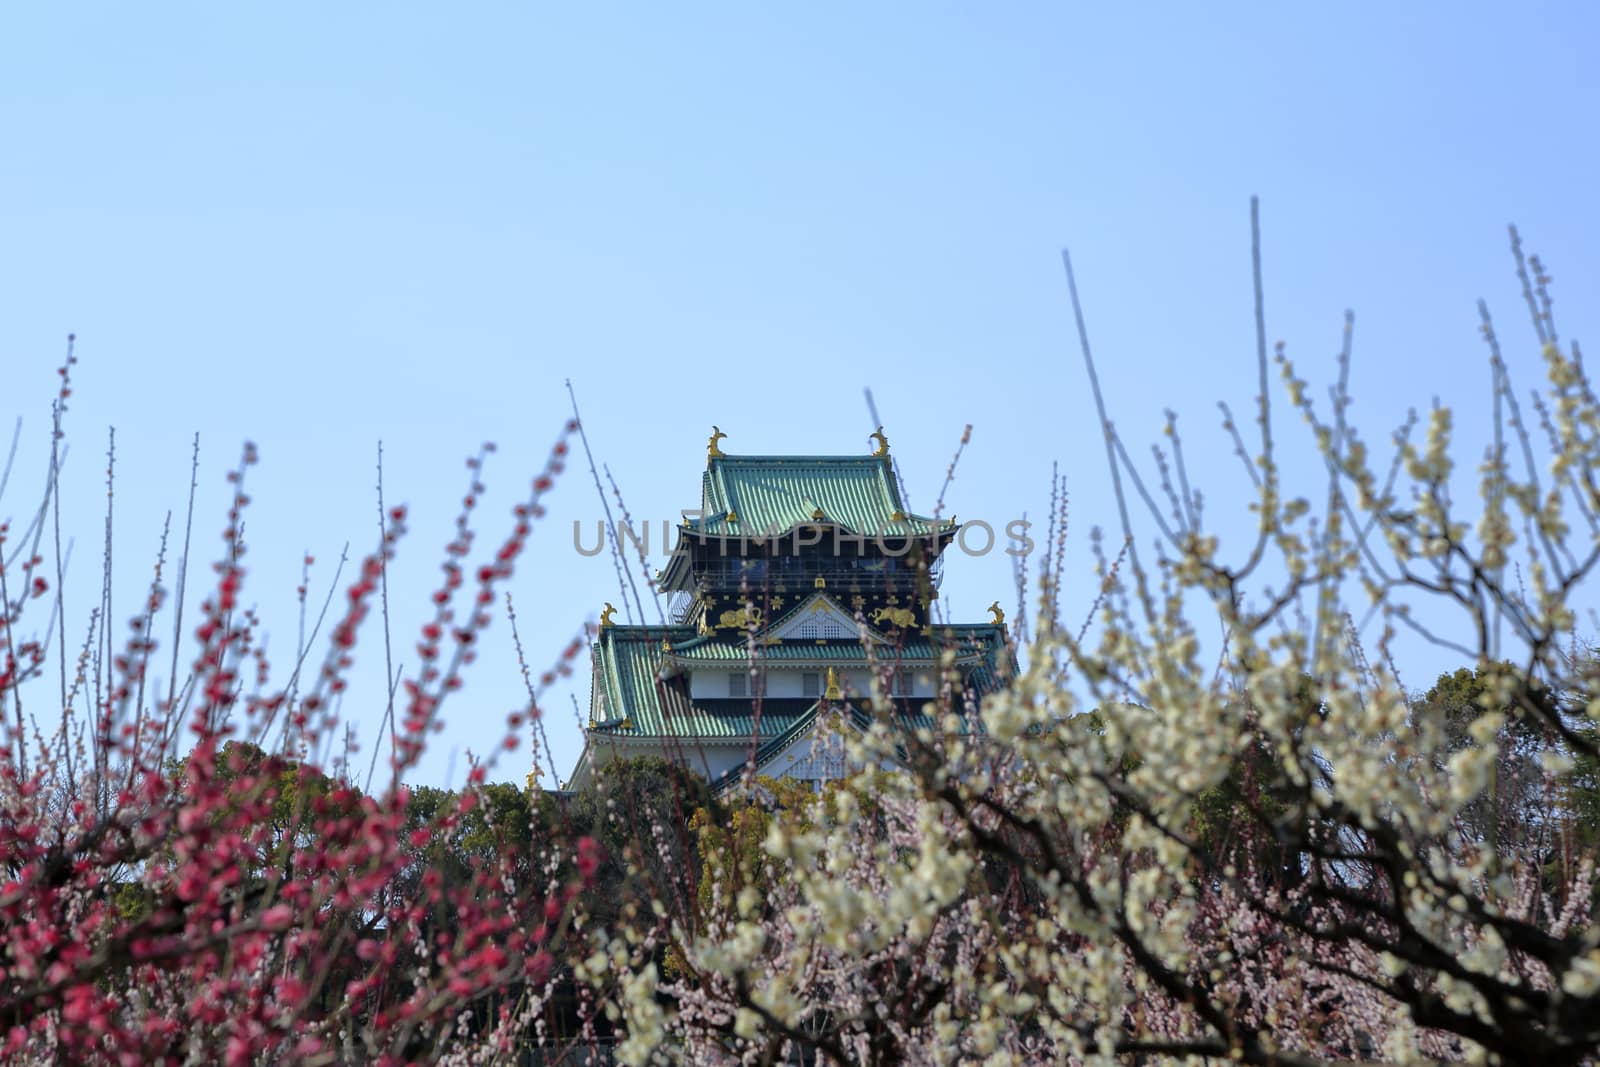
803 603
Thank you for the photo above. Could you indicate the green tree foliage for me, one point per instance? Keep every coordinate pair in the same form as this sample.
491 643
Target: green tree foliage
729 840
639 811
1248 816
1535 771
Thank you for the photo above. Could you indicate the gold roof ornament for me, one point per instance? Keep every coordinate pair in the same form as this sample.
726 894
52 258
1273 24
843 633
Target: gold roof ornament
883 442
605 616
732 516
820 583
832 692
712 451
816 515
999 614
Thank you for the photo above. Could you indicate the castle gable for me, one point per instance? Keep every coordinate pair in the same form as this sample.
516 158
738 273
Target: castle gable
818 618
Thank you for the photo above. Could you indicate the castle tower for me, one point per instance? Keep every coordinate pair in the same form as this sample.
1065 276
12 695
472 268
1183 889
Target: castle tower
801 587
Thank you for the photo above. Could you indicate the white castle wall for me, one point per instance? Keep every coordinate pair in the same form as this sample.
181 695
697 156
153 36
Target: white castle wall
786 682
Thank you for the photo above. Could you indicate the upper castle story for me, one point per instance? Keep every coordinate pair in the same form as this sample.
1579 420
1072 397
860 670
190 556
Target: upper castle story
772 530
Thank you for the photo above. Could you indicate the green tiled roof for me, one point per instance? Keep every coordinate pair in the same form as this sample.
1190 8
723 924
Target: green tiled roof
771 748
634 683
839 651
857 716
1000 662
629 662
774 494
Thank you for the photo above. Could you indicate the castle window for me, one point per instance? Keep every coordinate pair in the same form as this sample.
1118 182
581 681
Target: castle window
902 683
808 631
811 685
833 630
738 685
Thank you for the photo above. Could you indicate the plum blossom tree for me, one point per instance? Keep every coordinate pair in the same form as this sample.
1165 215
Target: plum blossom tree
1260 849
1153 844
181 882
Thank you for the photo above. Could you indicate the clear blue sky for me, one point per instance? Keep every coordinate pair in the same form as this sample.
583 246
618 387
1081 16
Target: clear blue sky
319 226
